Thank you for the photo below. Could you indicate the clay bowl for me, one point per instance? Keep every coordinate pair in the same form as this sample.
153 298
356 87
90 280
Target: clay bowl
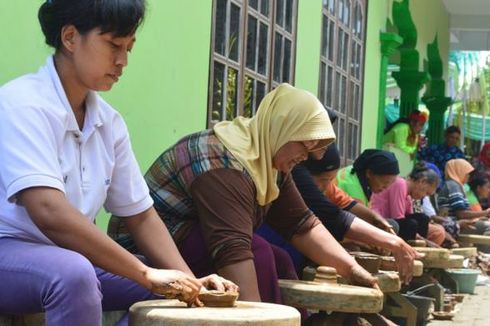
218 298
369 262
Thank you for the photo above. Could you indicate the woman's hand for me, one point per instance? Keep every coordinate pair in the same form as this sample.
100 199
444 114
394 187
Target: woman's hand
360 276
404 256
216 282
174 284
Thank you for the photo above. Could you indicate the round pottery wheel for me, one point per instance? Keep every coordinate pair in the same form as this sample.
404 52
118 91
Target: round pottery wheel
176 313
218 298
331 297
454 261
474 239
465 252
433 254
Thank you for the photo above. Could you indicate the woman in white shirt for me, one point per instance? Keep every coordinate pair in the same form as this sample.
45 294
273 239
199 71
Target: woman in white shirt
65 154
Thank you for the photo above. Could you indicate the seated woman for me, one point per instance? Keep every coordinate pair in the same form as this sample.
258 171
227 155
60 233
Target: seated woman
324 172
452 197
215 187
372 172
65 153
425 205
404 133
396 202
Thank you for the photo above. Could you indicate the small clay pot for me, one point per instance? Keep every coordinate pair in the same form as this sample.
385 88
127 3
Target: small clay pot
448 307
443 315
458 297
218 298
388 264
371 263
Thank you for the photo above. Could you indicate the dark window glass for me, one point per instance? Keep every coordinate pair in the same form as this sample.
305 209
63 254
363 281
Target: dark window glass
286 60
330 86
263 41
260 94
289 15
220 27
264 7
277 57
331 40
234 32
251 42
323 80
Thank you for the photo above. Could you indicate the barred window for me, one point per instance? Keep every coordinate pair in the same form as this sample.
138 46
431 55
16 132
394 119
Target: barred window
253 51
341 70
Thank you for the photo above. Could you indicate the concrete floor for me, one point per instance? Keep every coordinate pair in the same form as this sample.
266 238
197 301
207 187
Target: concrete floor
473 311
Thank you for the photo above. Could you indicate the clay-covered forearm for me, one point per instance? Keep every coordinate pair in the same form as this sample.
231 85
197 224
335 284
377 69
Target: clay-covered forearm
151 235
467 214
363 212
366 233
321 247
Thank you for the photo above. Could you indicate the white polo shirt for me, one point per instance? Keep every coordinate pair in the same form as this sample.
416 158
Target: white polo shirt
41 145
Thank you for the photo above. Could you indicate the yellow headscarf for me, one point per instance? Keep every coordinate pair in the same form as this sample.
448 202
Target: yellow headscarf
457 169
285 114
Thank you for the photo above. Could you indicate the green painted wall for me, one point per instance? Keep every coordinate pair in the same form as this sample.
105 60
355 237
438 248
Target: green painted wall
377 14
429 17
163 93
308 42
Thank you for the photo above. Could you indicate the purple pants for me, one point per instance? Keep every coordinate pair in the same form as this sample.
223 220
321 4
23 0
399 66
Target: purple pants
271 262
62 283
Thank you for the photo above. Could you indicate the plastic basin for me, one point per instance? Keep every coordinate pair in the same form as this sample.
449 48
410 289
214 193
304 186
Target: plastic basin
465 277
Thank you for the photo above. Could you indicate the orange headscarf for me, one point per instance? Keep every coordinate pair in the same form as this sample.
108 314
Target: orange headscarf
457 170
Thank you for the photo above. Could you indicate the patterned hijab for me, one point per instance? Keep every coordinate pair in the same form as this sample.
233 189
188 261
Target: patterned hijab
285 114
457 170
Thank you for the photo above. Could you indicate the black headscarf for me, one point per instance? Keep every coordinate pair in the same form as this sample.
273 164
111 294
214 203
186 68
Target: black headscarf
329 162
379 162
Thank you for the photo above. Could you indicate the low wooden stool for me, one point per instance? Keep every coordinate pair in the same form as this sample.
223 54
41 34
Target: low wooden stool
176 313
